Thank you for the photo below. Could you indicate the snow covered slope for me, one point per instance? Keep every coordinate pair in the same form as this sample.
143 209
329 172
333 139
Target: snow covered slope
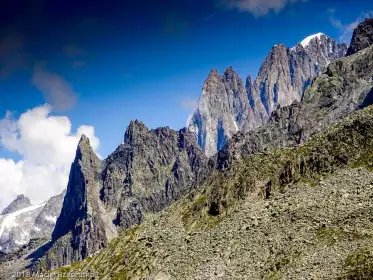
36 221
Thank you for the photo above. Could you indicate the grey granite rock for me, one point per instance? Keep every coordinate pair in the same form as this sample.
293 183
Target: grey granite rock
19 203
345 87
362 37
26 222
149 171
224 109
80 229
226 106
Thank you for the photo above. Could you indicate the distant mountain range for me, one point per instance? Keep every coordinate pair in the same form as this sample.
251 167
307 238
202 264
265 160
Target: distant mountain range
262 185
21 222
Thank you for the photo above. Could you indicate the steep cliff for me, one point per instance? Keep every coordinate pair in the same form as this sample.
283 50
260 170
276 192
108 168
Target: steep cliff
362 37
149 171
152 169
346 86
224 109
226 106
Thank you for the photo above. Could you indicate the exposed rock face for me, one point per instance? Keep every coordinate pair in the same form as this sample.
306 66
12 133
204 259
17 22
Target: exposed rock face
286 73
362 37
346 86
19 203
149 171
29 222
80 229
152 169
299 213
226 106
47 218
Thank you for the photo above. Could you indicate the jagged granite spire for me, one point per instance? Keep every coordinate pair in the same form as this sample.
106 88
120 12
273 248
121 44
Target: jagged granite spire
223 109
149 171
80 229
362 37
19 203
226 106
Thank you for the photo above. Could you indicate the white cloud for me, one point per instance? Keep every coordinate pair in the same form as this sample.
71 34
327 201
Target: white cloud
347 29
257 7
56 89
190 105
47 146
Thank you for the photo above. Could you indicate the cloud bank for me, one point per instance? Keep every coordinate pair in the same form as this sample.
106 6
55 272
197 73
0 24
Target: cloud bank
47 146
257 7
55 89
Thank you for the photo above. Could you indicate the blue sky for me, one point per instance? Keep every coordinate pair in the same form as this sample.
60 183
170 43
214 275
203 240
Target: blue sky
145 60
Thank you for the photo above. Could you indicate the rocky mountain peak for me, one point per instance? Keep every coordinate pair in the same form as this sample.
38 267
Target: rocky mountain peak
227 105
362 37
19 203
134 129
312 38
80 188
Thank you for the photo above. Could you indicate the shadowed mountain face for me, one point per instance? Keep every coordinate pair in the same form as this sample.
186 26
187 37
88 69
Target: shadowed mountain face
149 171
227 106
362 37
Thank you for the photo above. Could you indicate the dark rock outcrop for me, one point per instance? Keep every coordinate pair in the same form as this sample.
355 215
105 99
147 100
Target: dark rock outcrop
80 229
362 37
149 171
152 169
19 203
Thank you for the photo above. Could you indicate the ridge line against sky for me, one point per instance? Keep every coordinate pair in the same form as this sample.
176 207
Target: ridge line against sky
112 63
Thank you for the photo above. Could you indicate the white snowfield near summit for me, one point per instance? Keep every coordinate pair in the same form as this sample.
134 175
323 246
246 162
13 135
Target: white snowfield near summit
17 228
32 222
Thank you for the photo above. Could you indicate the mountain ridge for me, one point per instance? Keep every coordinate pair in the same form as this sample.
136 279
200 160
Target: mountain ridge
226 106
161 179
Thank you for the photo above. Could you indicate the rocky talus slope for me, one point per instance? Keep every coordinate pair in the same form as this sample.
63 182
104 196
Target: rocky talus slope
228 105
148 172
167 200
299 213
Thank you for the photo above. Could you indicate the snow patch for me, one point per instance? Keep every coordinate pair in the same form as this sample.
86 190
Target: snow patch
52 219
235 125
9 220
307 40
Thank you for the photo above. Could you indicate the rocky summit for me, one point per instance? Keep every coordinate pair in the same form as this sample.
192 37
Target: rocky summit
288 196
227 105
362 37
299 213
23 222
19 203
149 171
